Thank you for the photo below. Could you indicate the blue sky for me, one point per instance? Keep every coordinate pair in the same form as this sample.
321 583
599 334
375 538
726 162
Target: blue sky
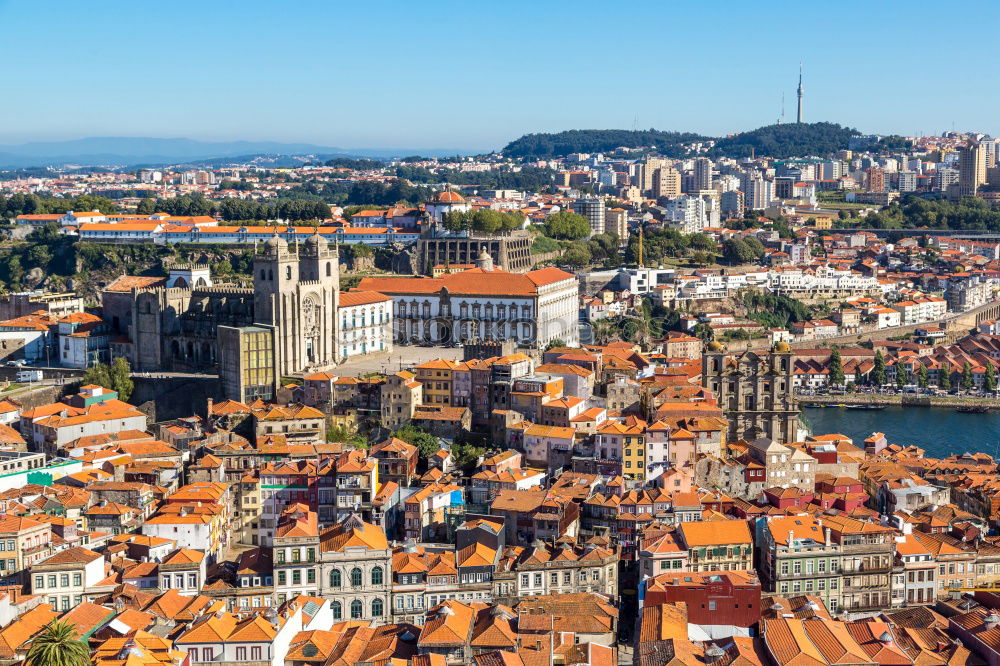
473 75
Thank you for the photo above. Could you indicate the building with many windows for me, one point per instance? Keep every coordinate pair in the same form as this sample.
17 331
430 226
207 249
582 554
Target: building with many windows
798 556
533 308
717 545
365 323
355 570
63 578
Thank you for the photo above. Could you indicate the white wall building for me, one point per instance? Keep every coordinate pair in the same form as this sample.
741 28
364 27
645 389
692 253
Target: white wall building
365 323
533 308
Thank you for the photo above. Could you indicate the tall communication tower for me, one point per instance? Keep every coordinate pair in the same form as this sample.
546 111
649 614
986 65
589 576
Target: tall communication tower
798 116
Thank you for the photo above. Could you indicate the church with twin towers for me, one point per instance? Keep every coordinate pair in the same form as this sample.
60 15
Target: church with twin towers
297 292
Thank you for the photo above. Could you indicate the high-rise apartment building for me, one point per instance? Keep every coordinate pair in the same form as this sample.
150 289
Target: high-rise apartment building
758 191
616 222
645 172
971 169
732 203
591 208
667 182
907 181
945 177
703 174
875 178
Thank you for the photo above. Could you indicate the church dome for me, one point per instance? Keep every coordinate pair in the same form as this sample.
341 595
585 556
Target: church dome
714 346
448 197
276 242
315 244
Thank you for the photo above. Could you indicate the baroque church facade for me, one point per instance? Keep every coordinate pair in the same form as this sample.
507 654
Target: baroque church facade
754 390
170 324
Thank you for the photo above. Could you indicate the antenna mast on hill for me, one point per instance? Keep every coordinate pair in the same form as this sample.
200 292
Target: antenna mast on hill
798 117
781 118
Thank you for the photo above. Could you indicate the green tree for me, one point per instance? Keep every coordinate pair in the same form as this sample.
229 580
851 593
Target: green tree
426 443
58 645
902 375
146 206
755 246
922 380
565 225
878 374
347 436
967 381
836 368
703 331
737 251
120 373
466 456
557 342
944 377
702 242
99 375
576 255
990 378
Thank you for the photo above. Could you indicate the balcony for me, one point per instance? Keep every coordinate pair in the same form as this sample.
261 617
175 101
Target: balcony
801 576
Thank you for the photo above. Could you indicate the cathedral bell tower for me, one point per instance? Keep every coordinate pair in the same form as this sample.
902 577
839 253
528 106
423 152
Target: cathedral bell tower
298 296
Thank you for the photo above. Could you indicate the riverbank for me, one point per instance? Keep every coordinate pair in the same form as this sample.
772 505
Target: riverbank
905 400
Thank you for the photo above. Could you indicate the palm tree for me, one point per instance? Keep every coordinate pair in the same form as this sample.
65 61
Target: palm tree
58 645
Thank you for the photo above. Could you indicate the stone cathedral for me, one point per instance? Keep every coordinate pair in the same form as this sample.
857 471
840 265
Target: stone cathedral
297 293
171 323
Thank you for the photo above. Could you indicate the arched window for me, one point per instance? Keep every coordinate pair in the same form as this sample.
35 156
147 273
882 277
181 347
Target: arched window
328 269
270 275
288 272
356 577
337 613
263 275
377 576
355 609
335 578
377 608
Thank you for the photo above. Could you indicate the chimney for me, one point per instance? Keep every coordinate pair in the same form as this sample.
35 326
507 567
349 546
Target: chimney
826 535
791 538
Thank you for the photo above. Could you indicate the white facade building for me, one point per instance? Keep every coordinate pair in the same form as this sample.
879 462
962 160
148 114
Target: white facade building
690 214
365 323
533 308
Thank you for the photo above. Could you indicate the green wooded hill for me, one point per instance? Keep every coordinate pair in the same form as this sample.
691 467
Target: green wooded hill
778 141
561 144
788 140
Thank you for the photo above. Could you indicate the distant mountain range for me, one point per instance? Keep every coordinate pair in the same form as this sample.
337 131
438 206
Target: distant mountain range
146 151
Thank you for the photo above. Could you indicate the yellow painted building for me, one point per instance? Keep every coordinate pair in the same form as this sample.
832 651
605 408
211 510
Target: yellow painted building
436 377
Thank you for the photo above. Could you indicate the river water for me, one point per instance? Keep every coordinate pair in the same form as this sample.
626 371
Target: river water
940 431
